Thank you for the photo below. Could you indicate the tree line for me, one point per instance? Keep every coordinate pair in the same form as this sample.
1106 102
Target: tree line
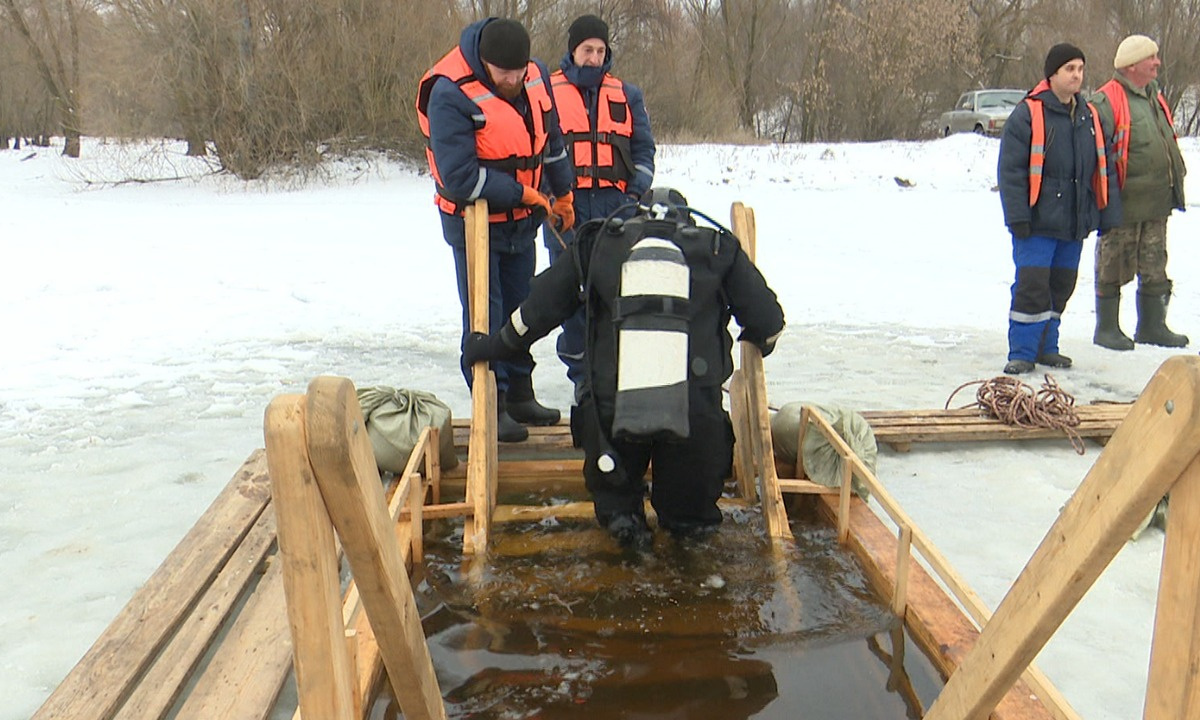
260 83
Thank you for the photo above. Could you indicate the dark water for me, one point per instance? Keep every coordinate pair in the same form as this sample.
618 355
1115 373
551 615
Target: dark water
558 622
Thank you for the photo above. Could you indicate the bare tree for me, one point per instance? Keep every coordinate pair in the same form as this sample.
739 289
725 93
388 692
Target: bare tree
52 36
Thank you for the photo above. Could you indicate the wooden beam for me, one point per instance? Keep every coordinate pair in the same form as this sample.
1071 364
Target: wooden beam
774 513
743 452
344 464
1145 457
481 454
1173 688
102 680
308 550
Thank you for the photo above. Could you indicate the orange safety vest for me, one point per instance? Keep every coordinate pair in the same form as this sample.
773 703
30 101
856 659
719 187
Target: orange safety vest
1037 150
601 155
1119 100
503 141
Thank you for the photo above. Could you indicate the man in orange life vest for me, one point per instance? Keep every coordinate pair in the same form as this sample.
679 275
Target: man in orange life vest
1150 170
493 133
1056 186
607 134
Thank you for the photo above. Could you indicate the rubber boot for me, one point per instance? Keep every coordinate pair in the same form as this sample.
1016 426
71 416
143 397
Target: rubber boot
1152 317
507 429
1108 326
524 407
630 530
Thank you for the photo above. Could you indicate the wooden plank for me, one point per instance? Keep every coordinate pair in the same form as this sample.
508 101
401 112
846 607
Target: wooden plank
344 463
1173 688
158 690
743 453
309 556
934 621
1145 457
805 487
774 512
248 668
106 674
482 450
902 427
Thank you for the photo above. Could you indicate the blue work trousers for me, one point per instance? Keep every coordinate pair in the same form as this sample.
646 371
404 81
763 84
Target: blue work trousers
1046 270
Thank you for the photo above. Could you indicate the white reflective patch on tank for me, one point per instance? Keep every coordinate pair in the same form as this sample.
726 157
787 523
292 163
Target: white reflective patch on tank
654 277
518 322
651 358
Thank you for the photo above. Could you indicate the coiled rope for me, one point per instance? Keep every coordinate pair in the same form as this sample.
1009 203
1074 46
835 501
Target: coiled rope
1015 403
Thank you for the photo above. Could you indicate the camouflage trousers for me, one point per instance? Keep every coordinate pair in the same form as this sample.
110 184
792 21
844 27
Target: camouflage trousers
1137 249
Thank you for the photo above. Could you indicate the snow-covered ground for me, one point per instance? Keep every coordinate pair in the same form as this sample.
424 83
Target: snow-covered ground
146 326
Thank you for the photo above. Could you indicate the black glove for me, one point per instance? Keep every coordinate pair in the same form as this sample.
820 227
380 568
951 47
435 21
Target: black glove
479 347
1021 230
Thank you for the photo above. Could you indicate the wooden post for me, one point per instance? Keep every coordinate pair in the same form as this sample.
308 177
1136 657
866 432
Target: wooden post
743 457
344 465
324 674
760 423
482 463
1147 454
903 558
1173 688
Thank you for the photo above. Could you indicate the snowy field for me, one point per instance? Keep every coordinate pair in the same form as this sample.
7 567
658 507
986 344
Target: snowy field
148 324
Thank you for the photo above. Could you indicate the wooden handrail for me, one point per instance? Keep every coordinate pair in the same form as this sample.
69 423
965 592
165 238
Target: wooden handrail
853 467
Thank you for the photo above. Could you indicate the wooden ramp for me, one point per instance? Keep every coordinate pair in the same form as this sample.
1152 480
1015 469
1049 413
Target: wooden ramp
899 429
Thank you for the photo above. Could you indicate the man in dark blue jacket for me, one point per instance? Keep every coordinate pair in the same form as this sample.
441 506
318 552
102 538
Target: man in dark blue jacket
1057 186
607 134
488 114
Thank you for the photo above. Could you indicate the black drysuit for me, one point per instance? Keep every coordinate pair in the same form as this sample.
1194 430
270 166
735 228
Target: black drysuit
689 473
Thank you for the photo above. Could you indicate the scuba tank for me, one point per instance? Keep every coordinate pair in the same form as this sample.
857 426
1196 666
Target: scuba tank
651 319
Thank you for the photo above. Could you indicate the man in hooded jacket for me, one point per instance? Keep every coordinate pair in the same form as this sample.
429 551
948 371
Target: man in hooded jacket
607 134
493 133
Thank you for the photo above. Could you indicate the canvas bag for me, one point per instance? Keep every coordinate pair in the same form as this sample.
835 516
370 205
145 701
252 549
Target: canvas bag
821 461
395 419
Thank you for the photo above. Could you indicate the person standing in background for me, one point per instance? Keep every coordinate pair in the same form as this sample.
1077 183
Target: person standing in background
1055 187
607 133
1150 172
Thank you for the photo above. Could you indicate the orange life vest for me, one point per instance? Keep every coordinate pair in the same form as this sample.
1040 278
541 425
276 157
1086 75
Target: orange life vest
1037 150
503 140
1119 99
601 155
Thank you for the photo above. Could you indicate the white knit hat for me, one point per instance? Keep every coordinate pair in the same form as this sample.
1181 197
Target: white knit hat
1134 49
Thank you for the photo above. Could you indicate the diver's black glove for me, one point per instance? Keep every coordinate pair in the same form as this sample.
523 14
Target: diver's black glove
503 345
478 348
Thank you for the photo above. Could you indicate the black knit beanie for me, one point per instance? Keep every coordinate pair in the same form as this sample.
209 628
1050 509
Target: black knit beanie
586 27
1060 55
505 44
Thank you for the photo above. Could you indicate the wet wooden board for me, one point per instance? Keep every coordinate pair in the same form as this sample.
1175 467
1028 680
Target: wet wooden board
900 428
